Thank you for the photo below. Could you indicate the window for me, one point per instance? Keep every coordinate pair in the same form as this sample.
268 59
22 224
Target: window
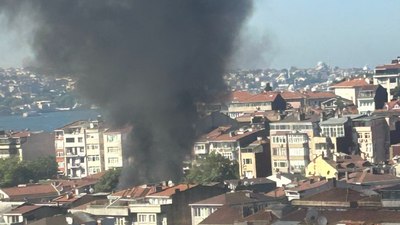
112 149
111 138
280 164
393 80
247 161
93 158
80 139
60 154
70 140
152 218
142 218
113 160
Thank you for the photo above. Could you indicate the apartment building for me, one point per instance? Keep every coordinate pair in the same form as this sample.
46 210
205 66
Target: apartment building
79 148
388 76
298 123
226 141
349 89
370 98
290 152
10 146
242 102
114 142
339 130
255 160
373 137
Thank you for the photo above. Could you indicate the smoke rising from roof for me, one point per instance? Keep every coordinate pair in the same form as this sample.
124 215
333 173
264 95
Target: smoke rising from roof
147 62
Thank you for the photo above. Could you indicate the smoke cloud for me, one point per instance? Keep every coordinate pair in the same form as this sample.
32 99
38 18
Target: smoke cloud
145 61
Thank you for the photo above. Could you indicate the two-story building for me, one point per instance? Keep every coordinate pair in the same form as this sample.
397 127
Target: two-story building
349 89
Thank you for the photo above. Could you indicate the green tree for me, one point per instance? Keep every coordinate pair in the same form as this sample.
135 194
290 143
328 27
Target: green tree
43 168
13 172
213 168
395 92
109 181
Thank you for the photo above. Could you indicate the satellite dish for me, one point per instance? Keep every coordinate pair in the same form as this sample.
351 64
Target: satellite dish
322 220
311 216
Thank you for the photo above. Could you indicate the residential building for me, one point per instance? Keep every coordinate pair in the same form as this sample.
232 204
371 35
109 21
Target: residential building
25 214
315 98
349 89
254 159
322 167
373 138
243 102
294 99
290 140
151 205
388 76
244 203
370 98
341 129
115 140
227 141
79 148
290 152
10 146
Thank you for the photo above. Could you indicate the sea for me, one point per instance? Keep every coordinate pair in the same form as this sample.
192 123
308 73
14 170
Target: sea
45 121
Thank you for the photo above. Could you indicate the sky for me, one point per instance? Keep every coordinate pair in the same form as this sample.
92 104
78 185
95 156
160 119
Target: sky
284 33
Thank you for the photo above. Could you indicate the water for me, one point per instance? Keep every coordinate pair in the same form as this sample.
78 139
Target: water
46 121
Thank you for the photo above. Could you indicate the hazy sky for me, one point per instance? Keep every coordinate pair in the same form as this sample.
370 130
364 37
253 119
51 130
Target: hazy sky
292 33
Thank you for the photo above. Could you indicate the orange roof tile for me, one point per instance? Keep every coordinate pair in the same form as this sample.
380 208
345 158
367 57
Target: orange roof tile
351 83
168 192
240 96
320 95
30 190
262 97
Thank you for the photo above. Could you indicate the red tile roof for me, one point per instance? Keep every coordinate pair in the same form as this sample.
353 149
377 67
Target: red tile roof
351 83
33 190
265 216
136 192
168 192
262 97
388 66
224 215
288 95
366 177
233 198
240 96
320 95
24 209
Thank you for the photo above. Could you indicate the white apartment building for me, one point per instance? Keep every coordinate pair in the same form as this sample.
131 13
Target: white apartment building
388 76
114 142
79 149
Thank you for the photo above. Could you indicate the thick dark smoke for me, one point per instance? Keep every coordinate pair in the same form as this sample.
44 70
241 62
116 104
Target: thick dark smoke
147 62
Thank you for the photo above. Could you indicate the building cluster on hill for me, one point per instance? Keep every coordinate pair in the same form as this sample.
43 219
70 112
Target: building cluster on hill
305 157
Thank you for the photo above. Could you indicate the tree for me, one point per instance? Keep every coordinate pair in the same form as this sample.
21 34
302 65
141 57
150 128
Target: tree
13 172
109 181
43 168
213 168
395 92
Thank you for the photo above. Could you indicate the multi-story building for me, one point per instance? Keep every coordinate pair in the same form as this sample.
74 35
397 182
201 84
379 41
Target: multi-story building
114 142
10 146
339 130
370 98
79 149
298 123
290 152
349 89
94 147
255 160
226 141
373 137
388 76
243 102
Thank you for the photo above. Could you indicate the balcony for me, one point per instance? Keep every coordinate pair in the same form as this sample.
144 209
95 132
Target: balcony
145 208
200 151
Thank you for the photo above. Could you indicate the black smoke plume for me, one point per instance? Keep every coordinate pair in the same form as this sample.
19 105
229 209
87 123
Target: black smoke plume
145 61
